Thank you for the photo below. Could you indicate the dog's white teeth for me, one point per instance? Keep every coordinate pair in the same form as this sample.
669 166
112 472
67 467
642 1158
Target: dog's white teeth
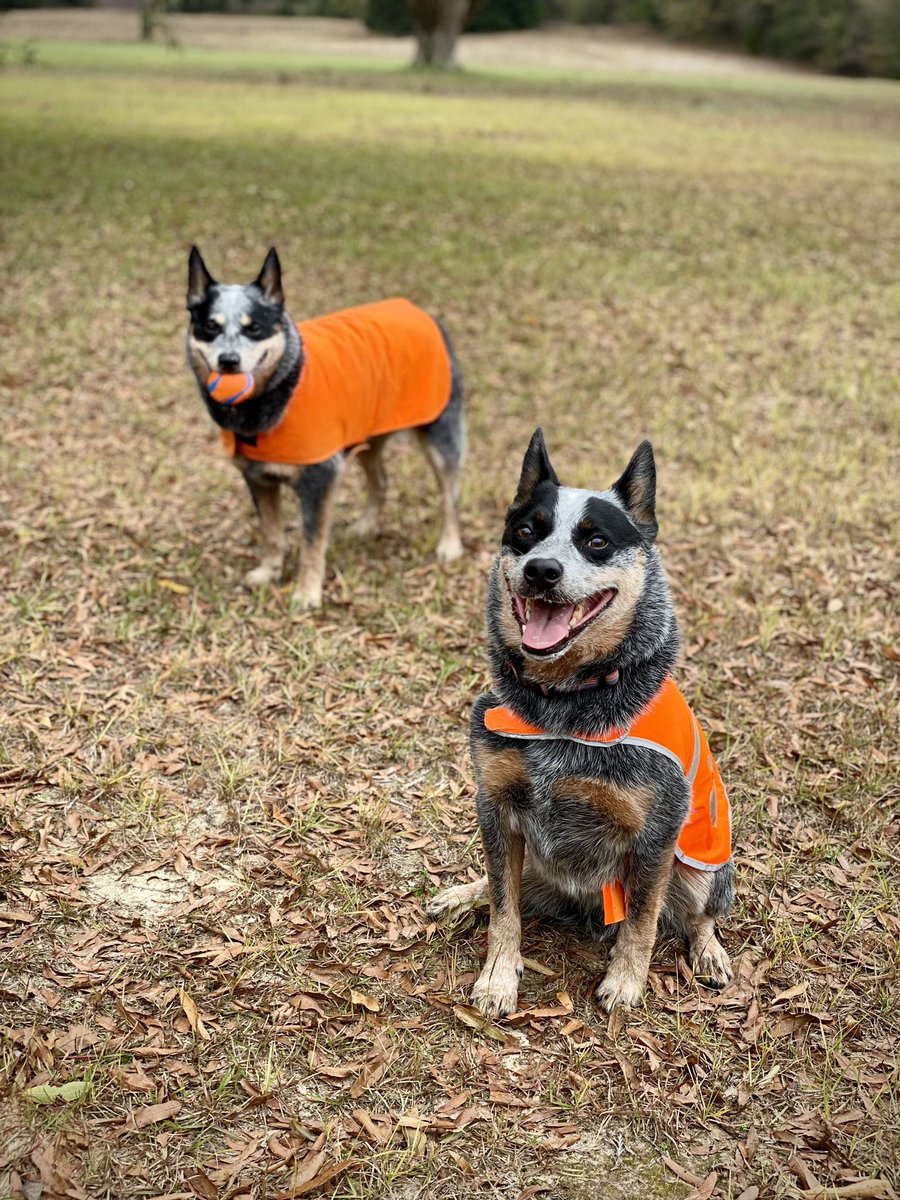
529 605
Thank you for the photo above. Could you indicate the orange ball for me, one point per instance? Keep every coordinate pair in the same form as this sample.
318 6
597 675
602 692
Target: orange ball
230 389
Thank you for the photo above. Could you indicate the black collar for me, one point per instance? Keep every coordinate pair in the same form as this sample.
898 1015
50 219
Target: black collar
610 679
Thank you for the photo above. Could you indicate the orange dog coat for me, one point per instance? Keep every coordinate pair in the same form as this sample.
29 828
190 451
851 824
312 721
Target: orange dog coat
366 371
666 726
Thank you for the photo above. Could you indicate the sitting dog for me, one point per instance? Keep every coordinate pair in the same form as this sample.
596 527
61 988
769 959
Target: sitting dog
598 798
292 399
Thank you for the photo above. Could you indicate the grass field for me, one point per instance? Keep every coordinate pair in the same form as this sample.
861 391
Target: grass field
220 819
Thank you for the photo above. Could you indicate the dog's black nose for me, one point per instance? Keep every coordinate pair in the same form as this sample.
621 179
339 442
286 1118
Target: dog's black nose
229 362
543 570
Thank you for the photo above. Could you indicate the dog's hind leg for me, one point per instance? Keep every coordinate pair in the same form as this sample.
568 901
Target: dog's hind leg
267 499
445 460
695 900
444 445
372 463
315 489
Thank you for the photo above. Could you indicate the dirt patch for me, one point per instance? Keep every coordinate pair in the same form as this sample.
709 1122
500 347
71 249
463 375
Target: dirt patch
151 897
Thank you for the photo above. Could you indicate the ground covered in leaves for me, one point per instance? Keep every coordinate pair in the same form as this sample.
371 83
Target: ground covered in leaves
220 820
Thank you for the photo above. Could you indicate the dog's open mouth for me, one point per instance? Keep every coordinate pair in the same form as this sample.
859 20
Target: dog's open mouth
547 627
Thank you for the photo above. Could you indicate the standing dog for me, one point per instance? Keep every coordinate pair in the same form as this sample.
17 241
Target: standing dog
598 799
291 400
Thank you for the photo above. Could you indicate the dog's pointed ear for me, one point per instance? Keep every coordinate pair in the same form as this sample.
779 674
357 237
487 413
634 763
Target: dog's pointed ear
199 279
636 488
269 279
536 468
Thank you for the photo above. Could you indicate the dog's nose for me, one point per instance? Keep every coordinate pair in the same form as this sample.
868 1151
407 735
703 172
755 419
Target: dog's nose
543 570
229 362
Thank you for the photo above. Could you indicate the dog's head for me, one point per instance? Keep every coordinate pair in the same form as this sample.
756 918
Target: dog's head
235 328
573 564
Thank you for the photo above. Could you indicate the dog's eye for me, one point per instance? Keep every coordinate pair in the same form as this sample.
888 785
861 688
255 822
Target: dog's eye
254 330
597 542
524 532
212 328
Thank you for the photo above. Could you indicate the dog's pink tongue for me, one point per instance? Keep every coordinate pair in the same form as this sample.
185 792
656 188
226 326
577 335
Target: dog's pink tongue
547 625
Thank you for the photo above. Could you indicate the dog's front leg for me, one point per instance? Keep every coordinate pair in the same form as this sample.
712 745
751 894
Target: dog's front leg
497 989
267 500
315 489
626 977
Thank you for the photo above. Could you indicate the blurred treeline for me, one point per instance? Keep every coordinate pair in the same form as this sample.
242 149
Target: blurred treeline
850 37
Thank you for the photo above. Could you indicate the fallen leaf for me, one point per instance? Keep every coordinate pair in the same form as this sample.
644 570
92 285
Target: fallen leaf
706 1188
151 1113
477 1020
542 969
683 1174
193 1016
361 1000
303 1189
48 1093
863 1189
797 990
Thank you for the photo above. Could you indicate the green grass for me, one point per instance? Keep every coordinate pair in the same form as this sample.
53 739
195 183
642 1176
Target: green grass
203 793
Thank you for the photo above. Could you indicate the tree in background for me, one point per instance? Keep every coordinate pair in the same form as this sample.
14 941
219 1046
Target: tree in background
437 24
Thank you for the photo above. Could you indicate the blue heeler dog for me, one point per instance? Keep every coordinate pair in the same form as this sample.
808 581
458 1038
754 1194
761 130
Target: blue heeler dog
599 801
292 400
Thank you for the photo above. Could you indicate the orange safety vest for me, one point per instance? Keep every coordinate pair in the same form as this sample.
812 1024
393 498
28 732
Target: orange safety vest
668 727
369 370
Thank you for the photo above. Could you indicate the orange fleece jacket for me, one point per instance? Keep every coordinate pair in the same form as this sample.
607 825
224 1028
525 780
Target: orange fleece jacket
369 370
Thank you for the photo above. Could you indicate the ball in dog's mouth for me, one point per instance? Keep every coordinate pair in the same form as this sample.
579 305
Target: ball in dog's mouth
230 387
547 627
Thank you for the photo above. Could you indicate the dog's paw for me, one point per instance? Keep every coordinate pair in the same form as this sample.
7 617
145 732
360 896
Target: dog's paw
367 525
619 989
262 575
711 965
306 599
457 899
496 993
449 548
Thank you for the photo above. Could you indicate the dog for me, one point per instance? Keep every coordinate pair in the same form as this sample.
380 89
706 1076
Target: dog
292 400
599 802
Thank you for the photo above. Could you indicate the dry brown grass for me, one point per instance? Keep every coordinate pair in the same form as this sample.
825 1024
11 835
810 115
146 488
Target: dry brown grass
220 820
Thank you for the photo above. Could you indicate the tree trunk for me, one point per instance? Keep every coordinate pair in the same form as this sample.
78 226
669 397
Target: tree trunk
148 20
437 25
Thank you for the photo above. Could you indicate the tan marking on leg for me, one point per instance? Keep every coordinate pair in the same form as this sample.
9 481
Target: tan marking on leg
625 807
449 545
626 976
497 988
271 562
372 463
463 896
499 771
308 591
